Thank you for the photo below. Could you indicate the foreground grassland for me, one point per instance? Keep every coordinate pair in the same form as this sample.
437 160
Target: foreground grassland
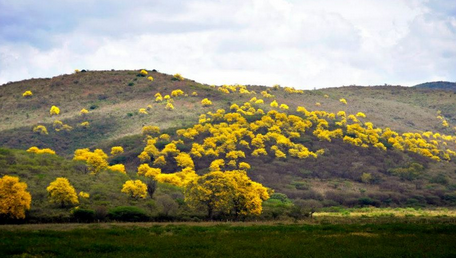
384 237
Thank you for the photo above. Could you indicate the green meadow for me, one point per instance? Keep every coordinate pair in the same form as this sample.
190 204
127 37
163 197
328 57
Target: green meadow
387 237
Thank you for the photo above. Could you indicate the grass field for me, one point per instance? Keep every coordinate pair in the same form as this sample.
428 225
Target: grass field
381 237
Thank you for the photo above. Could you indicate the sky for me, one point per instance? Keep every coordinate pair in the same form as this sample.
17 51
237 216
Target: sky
304 44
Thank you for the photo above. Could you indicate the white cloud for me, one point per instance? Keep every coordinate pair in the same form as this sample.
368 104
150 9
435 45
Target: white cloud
304 44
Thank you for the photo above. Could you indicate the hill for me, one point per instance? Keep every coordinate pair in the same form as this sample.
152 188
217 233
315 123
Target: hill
438 85
315 155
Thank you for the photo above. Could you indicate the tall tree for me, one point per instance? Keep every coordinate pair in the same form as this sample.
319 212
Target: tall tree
14 198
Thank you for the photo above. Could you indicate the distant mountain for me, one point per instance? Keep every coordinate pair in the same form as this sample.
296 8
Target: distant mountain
438 85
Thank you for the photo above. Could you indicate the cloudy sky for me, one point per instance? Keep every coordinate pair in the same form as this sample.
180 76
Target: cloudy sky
301 43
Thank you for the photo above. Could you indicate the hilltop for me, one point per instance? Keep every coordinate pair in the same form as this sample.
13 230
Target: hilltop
342 174
438 85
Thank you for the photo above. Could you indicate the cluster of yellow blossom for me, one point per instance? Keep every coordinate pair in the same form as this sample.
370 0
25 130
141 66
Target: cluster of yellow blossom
242 89
40 129
178 77
443 119
142 111
206 102
117 150
96 160
84 195
60 126
135 189
85 124
228 139
169 106
293 90
118 168
27 94
266 94
54 111
150 130
37 150
177 93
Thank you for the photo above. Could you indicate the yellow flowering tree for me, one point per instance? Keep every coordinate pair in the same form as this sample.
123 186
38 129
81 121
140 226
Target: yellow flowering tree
54 111
85 124
211 191
37 150
27 94
158 97
177 93
150 130
118 168
14 197
62 192
83 112
231 191
40 129
178 77
147 171
283 106
96 160
117 150
206 102
248 196
135 189
169 106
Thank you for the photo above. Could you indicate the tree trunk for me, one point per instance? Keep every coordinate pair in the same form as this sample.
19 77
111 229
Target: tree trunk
209 212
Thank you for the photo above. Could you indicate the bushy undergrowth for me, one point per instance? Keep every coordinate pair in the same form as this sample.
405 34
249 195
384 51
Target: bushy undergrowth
289 202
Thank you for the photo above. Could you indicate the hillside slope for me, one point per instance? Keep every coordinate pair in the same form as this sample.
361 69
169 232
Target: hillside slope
114 98
376 173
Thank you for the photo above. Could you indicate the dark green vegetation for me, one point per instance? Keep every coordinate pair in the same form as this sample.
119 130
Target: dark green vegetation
113 98
438 85
425 238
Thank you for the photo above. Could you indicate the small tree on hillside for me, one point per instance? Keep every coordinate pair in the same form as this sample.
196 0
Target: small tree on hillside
135 189
61 191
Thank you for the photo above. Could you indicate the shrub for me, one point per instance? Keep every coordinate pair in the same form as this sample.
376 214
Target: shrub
127 213
304 209
101 212
281 197
366 201
84 215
